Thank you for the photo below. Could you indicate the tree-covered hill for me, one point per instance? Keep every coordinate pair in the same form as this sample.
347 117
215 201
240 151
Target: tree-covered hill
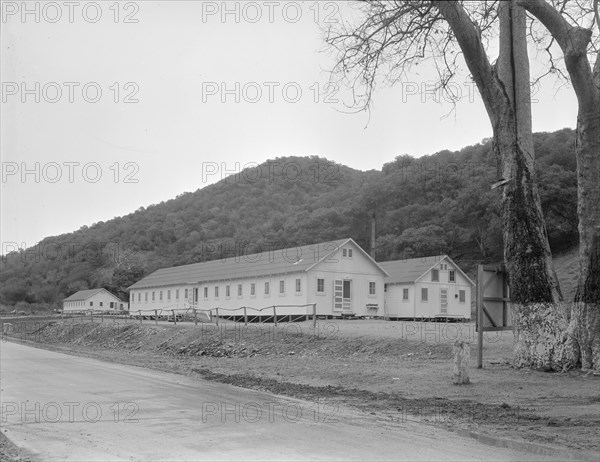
435 204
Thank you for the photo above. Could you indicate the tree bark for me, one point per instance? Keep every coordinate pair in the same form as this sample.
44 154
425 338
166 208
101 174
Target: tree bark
505 90
583 335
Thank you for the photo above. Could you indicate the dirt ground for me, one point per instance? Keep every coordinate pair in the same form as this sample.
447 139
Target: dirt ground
11 453
390 370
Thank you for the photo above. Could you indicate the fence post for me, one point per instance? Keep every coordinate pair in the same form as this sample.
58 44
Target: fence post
156 317
140 313
91 316
195 317
245 317
217 316
314 315
479 319
102 317
174 318
274 315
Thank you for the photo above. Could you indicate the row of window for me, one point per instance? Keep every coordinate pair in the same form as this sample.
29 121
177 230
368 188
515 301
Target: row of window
188 292
425 295
111 304
266 289
240 290
435 275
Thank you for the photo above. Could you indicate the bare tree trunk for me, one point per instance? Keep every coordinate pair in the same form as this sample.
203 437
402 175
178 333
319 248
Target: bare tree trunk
538 318
505 90
586 307
582 339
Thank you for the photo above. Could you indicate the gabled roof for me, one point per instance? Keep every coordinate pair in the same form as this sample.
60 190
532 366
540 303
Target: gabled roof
412 269
84 295
266 263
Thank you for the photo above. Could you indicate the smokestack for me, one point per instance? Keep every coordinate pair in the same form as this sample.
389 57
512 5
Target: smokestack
373 236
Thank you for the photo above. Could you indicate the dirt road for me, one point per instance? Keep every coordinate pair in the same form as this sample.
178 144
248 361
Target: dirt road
62 407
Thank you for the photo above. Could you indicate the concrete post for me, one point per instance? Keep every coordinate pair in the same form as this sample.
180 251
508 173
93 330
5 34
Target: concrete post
462 355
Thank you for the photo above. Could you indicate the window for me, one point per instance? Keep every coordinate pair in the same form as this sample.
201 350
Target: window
298 285
321 285
145 296
111 304
216 291
169 294
404 294
176 294
101 303
239 290
371 288
139 296
451 276
350 253
160 295
153 295
91 303
266 288
282 287
461 296
424 295
344 252
206 292
195 294
186 294
253 289
227 291
435 275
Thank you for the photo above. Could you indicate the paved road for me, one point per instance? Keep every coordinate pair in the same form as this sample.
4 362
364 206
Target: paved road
63 407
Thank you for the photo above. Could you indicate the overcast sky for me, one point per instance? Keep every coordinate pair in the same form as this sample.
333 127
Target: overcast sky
134 102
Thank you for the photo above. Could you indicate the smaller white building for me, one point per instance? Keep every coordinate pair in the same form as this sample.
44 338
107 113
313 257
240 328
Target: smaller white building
427 288
93 300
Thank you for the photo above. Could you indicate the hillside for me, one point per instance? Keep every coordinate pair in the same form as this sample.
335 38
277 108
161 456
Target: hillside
434 204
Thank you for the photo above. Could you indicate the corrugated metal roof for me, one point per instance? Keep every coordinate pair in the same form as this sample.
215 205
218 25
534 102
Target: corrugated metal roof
291 260
409 270
82 295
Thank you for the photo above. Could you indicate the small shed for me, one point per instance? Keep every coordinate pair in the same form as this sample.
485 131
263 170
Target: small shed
431 288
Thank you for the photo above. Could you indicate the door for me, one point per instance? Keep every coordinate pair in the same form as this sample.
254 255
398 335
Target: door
342 293
444 301
347 296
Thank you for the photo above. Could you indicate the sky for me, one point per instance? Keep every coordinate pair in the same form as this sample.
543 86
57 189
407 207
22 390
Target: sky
112 106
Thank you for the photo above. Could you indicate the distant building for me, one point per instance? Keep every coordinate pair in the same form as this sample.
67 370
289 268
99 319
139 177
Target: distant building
93 300
339 276
427 287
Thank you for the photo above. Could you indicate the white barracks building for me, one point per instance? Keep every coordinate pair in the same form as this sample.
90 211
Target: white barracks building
338 276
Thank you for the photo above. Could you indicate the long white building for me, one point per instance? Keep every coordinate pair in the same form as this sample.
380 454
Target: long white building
339 276
93 300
